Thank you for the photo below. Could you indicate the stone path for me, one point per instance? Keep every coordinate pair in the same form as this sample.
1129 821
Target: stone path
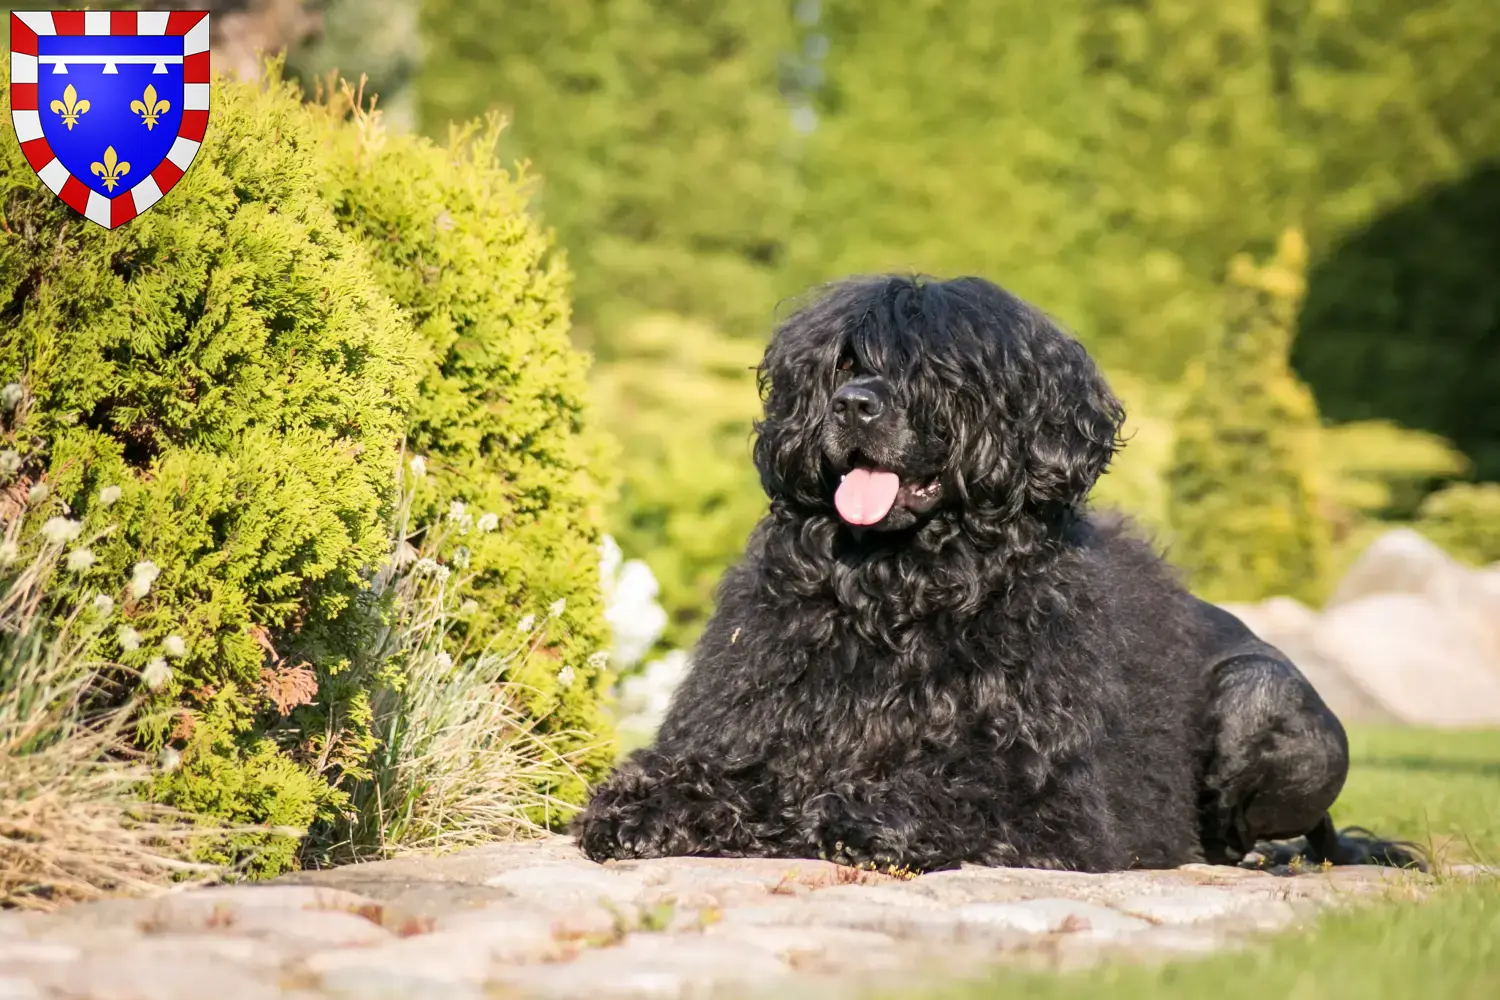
537 920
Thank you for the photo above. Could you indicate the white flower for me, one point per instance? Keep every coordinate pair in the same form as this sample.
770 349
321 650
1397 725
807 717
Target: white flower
104 604
442 573
129 638
468 607
10 462
598 660
557 607
10 396
633 614
456 510
80 560
565 676
37 493
168 759
525 624
8 553
461 558
109 495
418 466
156 674
643 697
488 522
61 530
174 647
142 576
426 564
444 660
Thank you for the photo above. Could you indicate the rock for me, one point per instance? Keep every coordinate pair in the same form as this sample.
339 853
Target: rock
1048 916
651 966
127 975
16 988
447 957
357 983
1418 661
1276 618
1184 906
1400 561
556 883
29 952
308 928
507 937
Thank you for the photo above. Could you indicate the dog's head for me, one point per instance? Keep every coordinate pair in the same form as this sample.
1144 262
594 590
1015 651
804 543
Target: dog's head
893 400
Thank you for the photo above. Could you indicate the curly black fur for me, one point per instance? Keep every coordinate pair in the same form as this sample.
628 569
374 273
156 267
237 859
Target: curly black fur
989 673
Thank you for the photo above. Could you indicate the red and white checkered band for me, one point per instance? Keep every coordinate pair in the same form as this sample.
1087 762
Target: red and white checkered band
25 26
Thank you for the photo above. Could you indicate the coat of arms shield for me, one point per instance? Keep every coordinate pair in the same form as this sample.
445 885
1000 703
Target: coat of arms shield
110 107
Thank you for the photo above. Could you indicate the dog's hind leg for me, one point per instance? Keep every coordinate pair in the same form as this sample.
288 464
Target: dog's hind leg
1276 759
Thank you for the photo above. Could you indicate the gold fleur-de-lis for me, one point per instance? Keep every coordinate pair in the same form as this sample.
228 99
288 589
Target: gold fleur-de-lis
70 107
112 169
150 109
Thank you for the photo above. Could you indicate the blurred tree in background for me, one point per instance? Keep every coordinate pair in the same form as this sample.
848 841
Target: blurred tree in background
1244 504
682 399
660 133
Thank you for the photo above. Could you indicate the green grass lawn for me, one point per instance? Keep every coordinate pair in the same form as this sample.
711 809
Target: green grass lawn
1438 788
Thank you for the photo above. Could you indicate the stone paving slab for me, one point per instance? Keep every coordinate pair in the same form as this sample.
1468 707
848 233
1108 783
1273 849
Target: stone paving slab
537 920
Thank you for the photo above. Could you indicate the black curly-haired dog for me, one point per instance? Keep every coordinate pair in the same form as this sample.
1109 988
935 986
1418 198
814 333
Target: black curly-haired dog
932 653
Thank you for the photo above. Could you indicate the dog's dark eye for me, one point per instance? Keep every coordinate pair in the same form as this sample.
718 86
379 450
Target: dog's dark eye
845 369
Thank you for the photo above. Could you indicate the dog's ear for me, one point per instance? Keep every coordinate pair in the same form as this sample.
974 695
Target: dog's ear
791 378
1072 426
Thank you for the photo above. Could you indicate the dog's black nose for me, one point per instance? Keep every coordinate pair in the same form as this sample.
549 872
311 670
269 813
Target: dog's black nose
856 404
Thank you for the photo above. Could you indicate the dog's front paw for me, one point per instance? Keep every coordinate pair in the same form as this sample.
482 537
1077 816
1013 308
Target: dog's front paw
848 834
617 828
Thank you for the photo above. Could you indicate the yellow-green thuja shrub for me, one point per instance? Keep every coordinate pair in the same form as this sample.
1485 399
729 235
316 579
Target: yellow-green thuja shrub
217 391
216 400
502 423
1244 507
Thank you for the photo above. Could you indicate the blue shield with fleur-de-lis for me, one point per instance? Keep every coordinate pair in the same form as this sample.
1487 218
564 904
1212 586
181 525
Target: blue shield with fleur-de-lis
110 107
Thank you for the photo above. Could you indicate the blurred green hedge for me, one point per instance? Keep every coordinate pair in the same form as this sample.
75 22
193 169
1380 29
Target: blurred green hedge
682 400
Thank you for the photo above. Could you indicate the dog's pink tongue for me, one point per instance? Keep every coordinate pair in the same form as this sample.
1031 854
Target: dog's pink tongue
865 495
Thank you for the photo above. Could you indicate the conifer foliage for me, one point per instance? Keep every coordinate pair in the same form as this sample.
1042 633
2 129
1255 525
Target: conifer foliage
1244 500
219 394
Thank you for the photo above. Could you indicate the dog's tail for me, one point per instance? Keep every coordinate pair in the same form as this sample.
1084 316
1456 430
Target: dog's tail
1354 845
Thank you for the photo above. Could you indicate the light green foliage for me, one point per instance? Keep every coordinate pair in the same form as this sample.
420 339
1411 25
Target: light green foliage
1136 482
1245 510
953 138
1464 518
230 365
502 422
1380 469
683 400
659 130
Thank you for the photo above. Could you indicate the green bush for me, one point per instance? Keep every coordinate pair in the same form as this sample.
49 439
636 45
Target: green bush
220 386
502 420
682 399
215 397
1245 510
1464 518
